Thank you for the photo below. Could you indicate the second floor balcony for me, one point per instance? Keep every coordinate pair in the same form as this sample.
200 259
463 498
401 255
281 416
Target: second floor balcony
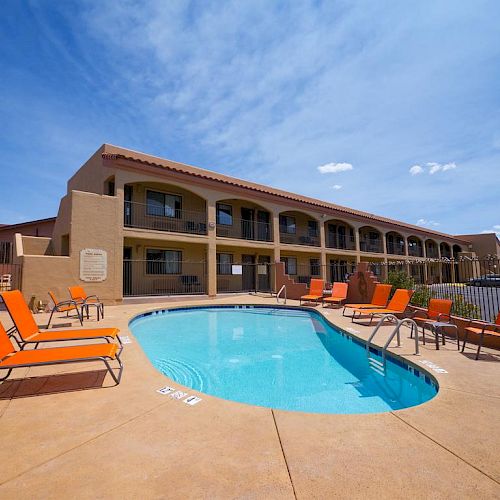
372 245
246 229
341 241
143 216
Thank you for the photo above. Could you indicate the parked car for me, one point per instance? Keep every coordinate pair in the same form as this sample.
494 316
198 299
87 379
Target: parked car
486 280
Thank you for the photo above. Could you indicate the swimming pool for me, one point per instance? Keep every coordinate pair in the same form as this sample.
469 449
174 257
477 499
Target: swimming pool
277 357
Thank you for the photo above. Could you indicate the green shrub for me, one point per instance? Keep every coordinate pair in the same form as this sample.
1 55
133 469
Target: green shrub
421 296
399 279
464 309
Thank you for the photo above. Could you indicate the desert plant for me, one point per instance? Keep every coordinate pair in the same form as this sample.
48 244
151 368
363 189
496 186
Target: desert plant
464 309
399 279
421 296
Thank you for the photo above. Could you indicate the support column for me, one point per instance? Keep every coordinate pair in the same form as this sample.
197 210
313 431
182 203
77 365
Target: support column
212 249
440 265
322 242
276 244
426 273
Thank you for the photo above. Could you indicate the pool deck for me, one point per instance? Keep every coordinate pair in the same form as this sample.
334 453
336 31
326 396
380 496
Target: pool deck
68 432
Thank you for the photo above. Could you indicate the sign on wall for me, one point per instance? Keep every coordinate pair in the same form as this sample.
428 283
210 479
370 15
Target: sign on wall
93 264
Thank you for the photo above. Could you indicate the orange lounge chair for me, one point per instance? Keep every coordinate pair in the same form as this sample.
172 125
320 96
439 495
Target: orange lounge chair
64 307
29 333
438 310
484 329
397 305
315 291
380 298
10 358
339 294
78 294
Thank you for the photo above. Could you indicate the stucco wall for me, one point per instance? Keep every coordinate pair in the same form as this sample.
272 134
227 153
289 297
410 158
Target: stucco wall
95 223
37 246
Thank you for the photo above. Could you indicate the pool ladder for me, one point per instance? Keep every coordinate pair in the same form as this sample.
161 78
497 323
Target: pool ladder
379 366
282 289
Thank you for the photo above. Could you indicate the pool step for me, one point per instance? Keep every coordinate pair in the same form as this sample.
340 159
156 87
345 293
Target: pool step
376 365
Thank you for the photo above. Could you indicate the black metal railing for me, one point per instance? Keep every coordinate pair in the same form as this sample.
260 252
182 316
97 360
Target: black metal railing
245 229
395 248
415 251
472 283
301 237
373 245
10 277
341 241
245 277
330 273
140 215
159 277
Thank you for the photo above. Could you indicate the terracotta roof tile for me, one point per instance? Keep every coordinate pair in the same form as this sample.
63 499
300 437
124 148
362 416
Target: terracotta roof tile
112 152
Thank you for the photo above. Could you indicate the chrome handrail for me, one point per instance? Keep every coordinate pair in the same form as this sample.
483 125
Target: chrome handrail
283 288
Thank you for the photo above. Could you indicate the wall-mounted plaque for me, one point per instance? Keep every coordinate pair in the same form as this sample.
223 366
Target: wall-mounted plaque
93 264
236 269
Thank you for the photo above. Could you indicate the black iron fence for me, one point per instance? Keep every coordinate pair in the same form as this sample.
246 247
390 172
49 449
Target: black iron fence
161 277
10 277
245 277
143 216
300 237
472 283
246 229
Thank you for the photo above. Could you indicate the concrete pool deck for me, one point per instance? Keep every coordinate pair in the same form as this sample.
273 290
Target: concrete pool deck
68 432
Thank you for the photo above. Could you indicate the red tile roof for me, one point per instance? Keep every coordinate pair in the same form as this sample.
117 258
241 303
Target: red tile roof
112 152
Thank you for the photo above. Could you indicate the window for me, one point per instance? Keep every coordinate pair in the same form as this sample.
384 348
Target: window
224 263
5 252
287 224
163 261
315 267
163 204
224 214
312 228
290 265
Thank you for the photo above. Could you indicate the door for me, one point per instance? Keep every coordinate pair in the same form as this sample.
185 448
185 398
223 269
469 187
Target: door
248 278
263 226
247 219
127 271
128 195
264 273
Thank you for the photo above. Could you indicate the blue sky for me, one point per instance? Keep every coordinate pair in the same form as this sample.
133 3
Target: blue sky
397 102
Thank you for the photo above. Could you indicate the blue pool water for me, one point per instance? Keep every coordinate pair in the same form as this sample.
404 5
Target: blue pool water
284 358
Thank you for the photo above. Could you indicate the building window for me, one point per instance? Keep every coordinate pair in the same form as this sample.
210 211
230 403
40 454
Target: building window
315 267
224 214
290 265
5 252
163 261
312 228
224 263
287 224
163 204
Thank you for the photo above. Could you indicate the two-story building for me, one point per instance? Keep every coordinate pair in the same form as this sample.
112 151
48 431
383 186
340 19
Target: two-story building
168 228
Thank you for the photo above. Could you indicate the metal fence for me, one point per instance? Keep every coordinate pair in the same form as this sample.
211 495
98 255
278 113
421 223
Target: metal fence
160 277
472 283
142 216
245 277
10 277
246 229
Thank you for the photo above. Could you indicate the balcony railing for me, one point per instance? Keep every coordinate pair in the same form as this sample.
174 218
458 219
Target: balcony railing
415 251
300 238
431 253
244 229
395 249
342 242
372 245
140 215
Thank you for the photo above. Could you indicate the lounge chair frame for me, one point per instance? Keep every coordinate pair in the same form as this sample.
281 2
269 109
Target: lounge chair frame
105 359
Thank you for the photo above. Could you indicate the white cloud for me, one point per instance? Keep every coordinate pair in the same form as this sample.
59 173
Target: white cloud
333 168
337 186
436 167
427 223
495 229
416 169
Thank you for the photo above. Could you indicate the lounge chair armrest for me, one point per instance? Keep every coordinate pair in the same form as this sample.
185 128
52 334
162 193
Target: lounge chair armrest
416 314
70 302
442 316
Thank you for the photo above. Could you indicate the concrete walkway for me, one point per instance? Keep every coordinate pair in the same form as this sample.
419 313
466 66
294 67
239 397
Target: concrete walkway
68 432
